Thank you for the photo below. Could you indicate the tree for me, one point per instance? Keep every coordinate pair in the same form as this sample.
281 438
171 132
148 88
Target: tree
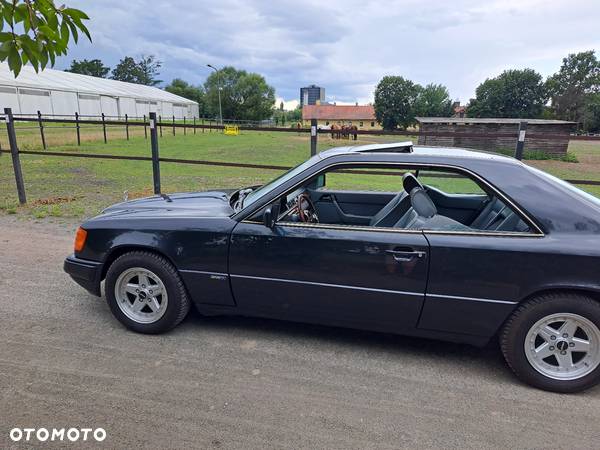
395 102
148 67
244 96
514 93
186 90
591 113
93 67
37 32
573 86
127 70
434 101
143 71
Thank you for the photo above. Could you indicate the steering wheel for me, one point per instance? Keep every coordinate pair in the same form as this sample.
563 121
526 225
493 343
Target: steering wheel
306 209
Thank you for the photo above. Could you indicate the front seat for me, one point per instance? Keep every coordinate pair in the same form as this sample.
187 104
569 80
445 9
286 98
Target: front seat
397 207
423 215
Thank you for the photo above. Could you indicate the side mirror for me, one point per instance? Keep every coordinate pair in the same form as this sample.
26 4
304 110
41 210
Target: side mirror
270 216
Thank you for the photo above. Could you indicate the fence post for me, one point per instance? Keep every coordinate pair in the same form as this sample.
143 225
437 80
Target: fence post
160 125
173 124
521 140
155 160
184 127
127 126
42 129
104 127
77 128
203 124
145 128
313 137
194 124
14 151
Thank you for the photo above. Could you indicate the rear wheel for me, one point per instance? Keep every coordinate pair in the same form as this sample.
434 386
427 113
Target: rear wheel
145 293
553 342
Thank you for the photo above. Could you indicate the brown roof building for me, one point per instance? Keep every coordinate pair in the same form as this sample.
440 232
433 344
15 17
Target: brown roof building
363 116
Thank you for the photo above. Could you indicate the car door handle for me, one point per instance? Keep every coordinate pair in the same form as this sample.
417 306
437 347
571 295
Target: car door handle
406 255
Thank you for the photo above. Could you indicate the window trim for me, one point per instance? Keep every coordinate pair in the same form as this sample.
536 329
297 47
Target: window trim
536 230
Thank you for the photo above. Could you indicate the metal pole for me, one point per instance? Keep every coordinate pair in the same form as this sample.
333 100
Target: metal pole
155 157
77 127
220 110
194 124
42 130
104 127
217 71
521 140
313 137
127 126
14 151
173 124
184 127
160 124
145 128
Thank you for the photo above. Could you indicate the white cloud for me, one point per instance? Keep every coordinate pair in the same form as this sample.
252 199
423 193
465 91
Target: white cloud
344 45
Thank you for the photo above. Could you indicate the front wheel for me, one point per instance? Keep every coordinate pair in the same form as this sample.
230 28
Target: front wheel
553 342
145 293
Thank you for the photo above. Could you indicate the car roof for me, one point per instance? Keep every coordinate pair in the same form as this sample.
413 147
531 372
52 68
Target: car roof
402 151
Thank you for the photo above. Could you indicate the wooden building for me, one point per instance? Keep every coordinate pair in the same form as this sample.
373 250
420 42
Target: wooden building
363 116
491 126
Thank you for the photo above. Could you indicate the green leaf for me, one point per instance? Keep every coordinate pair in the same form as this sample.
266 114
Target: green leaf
73 29
64 33
76 14
43 58
14 61
5 49
52 57
47 31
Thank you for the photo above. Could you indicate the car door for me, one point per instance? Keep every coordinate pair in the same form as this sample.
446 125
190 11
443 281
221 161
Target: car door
352 276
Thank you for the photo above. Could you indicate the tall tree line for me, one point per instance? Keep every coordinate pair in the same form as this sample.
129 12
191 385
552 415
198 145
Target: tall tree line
572 93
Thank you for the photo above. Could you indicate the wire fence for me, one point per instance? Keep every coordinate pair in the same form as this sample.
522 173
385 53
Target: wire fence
155 127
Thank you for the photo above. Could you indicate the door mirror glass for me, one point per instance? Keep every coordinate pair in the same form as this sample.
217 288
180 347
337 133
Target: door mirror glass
270 215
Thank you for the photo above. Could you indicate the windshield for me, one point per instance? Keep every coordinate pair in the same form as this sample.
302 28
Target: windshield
265 189
569 187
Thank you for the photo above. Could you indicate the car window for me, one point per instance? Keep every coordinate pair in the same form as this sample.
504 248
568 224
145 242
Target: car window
365 179
450 182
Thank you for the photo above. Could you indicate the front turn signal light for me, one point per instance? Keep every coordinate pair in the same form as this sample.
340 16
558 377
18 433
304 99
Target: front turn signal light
80 238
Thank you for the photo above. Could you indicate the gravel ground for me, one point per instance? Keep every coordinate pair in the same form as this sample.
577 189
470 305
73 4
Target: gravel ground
245 383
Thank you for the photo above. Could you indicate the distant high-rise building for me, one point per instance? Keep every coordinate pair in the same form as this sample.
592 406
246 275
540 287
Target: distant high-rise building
311 95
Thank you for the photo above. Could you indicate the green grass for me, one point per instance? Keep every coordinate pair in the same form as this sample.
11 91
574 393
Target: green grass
74 188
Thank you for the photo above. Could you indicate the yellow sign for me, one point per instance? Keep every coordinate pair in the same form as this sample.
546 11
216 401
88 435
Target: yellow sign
231 130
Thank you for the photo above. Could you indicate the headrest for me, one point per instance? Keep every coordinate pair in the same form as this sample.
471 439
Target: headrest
409 181
422 203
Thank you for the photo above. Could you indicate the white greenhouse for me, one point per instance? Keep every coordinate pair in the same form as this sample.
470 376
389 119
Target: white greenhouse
54 92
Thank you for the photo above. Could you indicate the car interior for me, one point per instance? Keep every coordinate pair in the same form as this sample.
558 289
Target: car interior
416 206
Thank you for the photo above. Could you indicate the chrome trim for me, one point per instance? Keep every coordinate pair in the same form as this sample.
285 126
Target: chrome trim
399 230
538 231
342 286
204 272
472 299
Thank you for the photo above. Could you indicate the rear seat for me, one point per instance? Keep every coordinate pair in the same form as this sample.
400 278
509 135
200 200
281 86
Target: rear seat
496 216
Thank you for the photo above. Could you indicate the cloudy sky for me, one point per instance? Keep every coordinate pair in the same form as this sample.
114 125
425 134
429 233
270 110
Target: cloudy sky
345 46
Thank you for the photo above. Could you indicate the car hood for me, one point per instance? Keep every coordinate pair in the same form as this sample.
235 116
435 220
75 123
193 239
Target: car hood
200 204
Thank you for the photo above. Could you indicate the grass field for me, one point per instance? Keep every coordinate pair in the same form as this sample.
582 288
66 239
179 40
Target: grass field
76 187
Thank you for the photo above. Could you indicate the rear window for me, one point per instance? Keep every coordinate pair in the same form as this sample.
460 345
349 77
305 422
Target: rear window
595 201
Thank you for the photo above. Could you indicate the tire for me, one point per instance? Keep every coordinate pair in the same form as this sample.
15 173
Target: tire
145 292
544 342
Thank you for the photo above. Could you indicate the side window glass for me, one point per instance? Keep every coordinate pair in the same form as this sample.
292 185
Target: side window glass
365 179
450 183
